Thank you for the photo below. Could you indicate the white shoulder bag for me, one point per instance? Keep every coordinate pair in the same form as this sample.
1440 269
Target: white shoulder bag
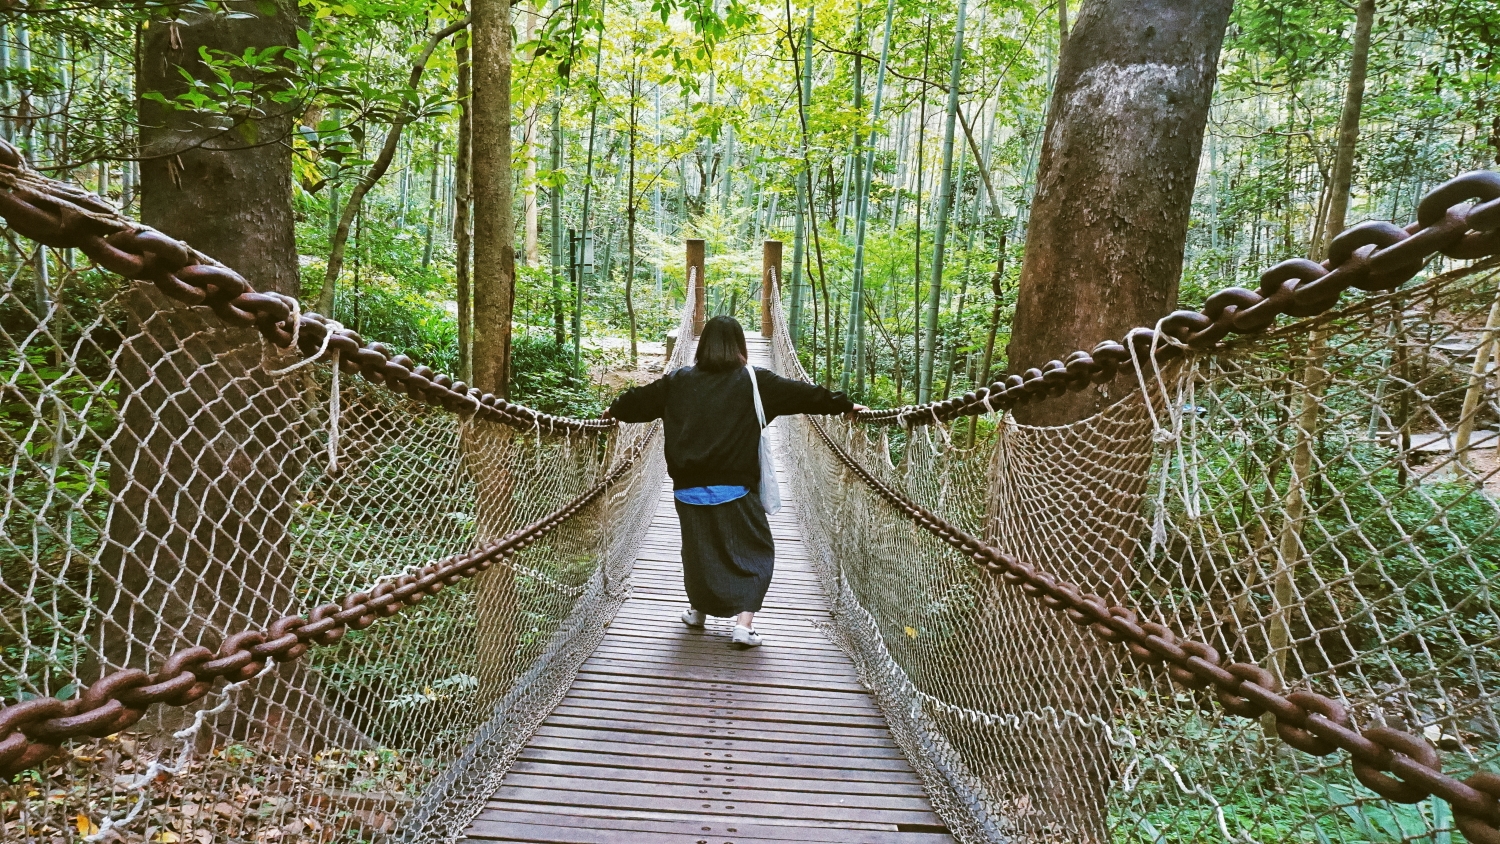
770 489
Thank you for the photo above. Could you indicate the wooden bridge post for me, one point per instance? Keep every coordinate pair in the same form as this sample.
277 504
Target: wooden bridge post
770 259
695 262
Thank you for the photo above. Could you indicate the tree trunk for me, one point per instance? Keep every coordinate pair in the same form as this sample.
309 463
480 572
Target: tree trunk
1291 551
554 198
490 170
1103 254
799 237
1110 214
854 356
1354 95
575 269
463 243
198 538
428 232
229 194
491 181
630 221
916 302
945 204
532 225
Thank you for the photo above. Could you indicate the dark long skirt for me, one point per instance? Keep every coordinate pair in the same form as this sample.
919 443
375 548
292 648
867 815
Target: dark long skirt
727 555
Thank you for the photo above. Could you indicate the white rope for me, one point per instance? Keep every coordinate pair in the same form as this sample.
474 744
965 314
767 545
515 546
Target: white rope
267 347
334 411
330 327
1169 435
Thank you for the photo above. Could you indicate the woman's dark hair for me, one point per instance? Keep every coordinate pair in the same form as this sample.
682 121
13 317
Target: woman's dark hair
721 346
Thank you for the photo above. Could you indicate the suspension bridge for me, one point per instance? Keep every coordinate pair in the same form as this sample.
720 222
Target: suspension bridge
264 580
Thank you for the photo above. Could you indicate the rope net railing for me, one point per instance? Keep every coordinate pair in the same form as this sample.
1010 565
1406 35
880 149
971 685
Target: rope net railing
1253 600
263 581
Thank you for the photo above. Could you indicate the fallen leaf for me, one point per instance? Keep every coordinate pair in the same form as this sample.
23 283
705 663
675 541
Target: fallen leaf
203 836
85 826
166 836
911 632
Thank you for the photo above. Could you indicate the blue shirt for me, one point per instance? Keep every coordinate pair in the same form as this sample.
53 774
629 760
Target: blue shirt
710 495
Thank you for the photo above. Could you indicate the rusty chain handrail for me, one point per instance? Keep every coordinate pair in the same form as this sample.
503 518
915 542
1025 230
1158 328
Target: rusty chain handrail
1306 720
1459 218
64 216
34 730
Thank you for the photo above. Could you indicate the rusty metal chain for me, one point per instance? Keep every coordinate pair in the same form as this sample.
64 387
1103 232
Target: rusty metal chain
1460 219
33 730
64 216
1397 765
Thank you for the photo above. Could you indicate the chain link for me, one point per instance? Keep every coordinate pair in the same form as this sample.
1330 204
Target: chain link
1460 219
32 731
1396 765
65 216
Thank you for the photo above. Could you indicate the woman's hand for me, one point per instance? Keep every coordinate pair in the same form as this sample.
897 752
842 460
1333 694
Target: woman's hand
606 415
853 414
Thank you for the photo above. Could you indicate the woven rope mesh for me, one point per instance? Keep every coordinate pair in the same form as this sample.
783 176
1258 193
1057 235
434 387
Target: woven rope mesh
164 488
1320 500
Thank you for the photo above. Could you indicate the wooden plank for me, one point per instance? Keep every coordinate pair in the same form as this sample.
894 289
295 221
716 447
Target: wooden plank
767 704
594 815
727 675
651 629
726 757
625 758
728 746
685 729
565 829
509 794
732 717
783 782
712 713
760 668
768 792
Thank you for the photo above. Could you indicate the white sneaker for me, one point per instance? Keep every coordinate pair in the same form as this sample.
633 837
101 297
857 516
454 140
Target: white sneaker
693 618
745 637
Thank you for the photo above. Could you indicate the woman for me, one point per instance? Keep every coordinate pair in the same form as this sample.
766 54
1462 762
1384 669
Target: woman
713 456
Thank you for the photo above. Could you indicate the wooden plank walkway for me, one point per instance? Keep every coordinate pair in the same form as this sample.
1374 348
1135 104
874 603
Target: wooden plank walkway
672 735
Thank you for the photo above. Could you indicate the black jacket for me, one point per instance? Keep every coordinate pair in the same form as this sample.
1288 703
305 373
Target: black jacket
713 437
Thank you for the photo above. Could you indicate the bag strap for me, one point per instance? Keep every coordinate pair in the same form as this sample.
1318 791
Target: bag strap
760 411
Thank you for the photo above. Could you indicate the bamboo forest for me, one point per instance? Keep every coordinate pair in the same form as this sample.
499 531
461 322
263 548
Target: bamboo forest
829 127
1126 411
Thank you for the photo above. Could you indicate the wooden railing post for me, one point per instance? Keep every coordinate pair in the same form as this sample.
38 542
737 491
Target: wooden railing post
770 259
695 263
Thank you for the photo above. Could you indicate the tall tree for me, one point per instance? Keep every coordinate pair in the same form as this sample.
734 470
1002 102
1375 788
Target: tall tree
630 197
533 220
554 201
195 548
490 171
945 206
226 191
1342 176
1103 254
377 170
1109 219
1314 375
857 297
463 243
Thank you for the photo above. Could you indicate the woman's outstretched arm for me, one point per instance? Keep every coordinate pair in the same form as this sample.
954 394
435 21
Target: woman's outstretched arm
640 404
784 396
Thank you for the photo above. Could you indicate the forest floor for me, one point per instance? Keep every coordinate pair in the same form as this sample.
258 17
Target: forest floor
616 373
